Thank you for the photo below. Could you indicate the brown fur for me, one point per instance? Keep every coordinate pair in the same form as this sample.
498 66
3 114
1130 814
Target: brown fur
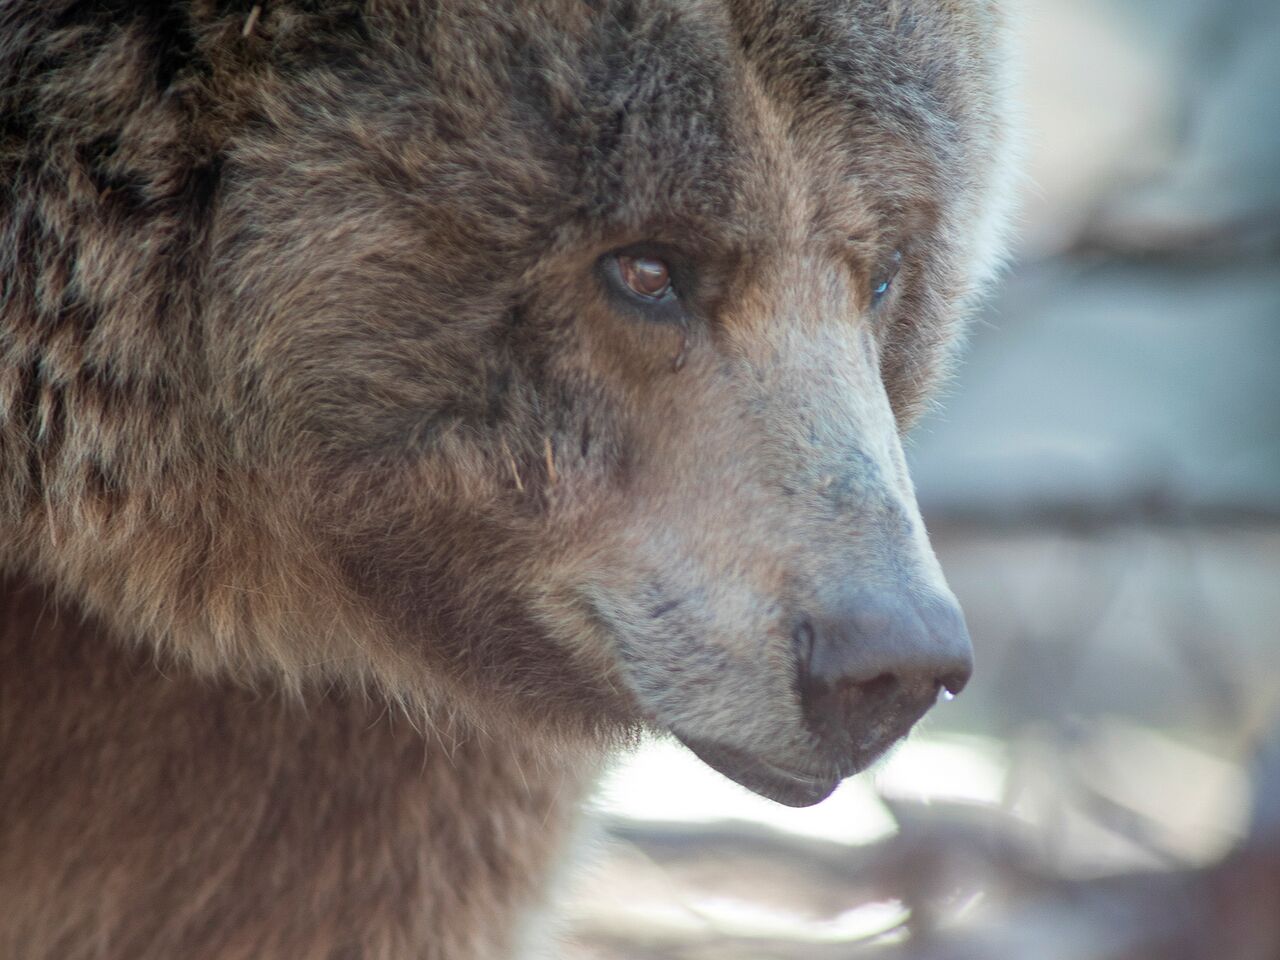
309 385
154 815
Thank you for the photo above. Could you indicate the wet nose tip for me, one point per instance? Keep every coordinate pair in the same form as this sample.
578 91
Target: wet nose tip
944 624
877 662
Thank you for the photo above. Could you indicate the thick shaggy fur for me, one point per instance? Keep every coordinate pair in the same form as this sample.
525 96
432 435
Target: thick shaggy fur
150 814
347 517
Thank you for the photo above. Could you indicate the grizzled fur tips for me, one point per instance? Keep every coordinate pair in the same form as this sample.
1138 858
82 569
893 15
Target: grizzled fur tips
350 509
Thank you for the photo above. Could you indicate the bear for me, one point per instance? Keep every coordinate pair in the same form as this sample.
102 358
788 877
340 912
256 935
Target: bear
405 404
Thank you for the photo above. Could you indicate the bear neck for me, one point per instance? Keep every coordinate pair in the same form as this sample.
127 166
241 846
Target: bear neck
147 814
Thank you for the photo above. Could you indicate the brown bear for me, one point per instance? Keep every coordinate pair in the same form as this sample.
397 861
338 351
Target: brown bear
405 402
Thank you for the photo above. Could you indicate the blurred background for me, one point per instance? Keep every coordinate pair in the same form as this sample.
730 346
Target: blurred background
1103 489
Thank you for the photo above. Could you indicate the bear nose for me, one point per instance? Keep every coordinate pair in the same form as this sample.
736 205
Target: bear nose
871 664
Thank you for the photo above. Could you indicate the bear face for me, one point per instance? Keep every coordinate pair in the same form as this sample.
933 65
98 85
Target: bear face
547 359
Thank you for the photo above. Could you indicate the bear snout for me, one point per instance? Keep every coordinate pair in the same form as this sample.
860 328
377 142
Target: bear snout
868 665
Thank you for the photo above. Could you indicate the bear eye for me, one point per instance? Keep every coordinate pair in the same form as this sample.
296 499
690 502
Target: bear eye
883 278
646 277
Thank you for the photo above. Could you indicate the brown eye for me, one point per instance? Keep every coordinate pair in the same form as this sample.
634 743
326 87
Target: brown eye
646 277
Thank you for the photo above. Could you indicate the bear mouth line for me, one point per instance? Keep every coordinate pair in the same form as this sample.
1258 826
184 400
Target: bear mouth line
788 786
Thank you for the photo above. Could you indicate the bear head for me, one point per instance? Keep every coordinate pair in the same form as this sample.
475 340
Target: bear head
544 361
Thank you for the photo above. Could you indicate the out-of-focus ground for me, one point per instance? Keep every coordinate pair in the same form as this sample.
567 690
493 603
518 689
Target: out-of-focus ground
1103 489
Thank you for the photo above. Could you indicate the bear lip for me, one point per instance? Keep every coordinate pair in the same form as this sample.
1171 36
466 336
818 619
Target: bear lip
793 788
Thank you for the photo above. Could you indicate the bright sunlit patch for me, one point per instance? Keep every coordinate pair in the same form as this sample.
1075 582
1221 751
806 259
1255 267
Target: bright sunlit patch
869 920
664 781
746 919
954 767
1192 805
727 916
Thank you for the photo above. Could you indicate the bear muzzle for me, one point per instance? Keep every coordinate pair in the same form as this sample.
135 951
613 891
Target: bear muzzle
868 667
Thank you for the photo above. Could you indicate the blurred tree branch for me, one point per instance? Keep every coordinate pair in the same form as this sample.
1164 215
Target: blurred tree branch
946 858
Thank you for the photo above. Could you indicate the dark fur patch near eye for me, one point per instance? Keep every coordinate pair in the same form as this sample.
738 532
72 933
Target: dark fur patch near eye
675 100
